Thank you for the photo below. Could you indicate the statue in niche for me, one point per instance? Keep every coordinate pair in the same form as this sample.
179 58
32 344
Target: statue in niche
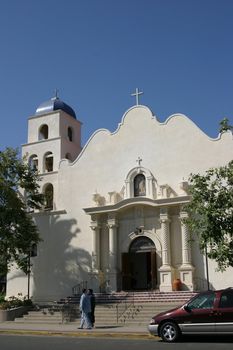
139 185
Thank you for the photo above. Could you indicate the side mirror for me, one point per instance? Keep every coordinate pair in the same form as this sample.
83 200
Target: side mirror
187 308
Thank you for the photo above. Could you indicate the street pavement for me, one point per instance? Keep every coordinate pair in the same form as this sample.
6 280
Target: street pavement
70 329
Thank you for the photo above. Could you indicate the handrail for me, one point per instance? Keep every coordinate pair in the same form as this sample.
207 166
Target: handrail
69 312
125 304
77 289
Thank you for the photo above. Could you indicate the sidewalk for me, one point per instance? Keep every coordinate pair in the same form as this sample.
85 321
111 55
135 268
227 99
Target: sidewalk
69 329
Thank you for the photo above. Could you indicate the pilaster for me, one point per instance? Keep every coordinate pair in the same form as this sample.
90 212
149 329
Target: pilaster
127 189
166 270
95 246
112 263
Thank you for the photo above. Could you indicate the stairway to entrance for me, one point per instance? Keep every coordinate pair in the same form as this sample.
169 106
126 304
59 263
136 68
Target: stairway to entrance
129 308
137 297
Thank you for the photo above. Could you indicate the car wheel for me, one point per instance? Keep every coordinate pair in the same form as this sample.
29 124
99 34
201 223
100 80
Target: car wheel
169 332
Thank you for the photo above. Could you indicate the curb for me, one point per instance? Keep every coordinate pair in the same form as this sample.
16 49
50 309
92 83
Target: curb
79 334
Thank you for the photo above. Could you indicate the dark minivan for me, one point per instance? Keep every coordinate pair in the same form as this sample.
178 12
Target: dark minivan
206 313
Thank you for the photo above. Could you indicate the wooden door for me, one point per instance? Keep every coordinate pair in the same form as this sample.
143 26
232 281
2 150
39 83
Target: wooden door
126 273
153 270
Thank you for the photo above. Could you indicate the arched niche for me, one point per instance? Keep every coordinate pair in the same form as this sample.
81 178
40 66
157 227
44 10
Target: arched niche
140 182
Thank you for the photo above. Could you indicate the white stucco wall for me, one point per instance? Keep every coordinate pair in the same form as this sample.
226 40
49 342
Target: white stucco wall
170 151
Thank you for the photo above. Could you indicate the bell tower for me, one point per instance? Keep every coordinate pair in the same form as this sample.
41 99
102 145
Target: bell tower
54 133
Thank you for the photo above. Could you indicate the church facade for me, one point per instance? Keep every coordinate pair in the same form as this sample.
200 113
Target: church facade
113 217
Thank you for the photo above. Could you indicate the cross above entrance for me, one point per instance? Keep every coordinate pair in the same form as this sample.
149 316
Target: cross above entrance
139 160
137 93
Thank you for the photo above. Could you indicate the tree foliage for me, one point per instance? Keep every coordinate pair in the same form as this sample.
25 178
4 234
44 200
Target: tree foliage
18 193
211 213
225 126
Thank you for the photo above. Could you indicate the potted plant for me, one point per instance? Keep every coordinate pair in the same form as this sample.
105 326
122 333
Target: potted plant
176 285
13 307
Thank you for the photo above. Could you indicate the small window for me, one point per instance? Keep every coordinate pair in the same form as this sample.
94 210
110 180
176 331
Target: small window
43 132
139 185
48 162
70 134
141 244
33 162
48 193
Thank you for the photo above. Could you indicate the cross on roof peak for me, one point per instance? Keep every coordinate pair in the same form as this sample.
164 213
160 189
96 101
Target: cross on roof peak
137 93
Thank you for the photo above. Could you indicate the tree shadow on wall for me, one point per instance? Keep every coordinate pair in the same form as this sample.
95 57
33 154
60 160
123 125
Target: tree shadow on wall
60 264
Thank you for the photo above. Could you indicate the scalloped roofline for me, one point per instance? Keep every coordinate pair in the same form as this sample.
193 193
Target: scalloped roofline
88 142
192 122
169 118
153 117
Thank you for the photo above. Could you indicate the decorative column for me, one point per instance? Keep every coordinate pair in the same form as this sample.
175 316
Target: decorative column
127 189
166 270
186 269
95 262
166 254
112 262
150 192
95 246
112 226
186 249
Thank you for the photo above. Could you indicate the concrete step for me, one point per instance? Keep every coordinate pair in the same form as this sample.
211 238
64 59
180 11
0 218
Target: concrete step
145 296
106 314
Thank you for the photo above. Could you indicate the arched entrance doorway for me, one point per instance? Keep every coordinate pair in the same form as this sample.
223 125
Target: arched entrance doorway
139 265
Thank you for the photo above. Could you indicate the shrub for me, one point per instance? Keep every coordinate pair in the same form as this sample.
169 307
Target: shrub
13 302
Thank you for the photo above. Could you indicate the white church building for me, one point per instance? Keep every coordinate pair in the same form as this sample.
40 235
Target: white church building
113 217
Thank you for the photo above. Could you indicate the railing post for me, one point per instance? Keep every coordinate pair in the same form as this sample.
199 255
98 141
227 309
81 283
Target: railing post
77 289
117 312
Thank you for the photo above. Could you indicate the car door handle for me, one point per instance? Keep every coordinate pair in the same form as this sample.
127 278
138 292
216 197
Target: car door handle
215 313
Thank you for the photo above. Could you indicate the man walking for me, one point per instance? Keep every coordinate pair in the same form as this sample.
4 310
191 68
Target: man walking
92 313
85 308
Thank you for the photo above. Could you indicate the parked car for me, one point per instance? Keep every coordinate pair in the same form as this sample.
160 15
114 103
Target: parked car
206 313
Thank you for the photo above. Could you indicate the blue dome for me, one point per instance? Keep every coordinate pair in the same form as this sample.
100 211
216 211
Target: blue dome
53 105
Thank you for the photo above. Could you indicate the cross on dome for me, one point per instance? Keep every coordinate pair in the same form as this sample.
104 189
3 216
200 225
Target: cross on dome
56 94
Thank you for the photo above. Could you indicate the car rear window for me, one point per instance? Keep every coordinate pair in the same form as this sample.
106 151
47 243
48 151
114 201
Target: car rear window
226 299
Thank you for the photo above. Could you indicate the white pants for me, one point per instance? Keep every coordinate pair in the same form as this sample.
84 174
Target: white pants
85 320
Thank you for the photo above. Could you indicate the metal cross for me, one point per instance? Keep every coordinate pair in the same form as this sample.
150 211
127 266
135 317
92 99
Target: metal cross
137 93
139 161
56 94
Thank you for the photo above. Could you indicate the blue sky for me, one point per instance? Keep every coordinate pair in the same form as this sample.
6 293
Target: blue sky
96 52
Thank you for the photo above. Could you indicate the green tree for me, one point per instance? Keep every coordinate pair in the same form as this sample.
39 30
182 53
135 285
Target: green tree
225 126
18 196
211 213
